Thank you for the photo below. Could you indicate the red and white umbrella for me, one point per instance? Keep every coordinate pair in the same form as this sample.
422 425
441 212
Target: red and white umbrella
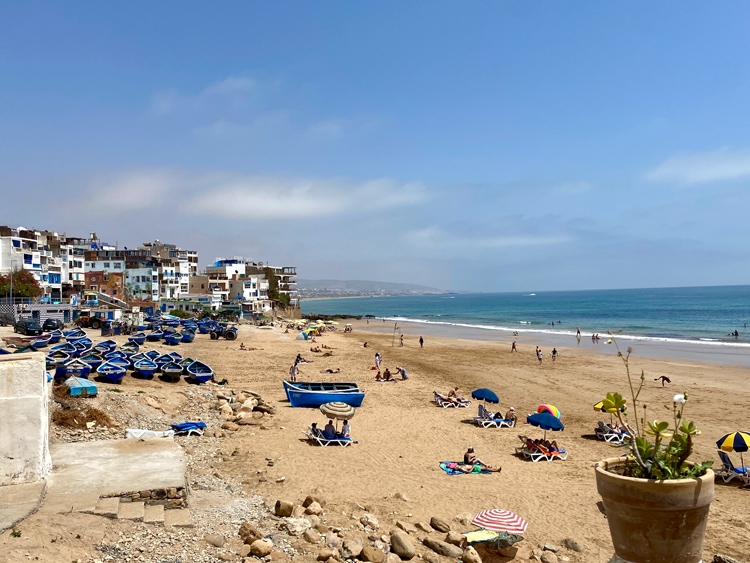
499 520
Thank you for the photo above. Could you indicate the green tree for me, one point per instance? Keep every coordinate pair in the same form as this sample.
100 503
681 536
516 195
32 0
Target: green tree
273 288
24 285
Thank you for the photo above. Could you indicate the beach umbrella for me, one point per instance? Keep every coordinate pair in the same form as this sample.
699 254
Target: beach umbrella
337 410
735 442
551 409
599 407
545 421
484 394
499 520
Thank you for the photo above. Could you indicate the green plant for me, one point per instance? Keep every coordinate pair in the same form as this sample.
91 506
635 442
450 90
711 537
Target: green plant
15 533
665 454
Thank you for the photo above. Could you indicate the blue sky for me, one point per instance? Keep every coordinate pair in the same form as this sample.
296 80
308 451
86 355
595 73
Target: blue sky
491 146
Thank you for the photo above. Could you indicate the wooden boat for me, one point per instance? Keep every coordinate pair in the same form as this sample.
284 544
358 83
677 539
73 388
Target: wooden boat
81 387
198 372
188 336
171 372
93 359
76 368
185 362
40 342
3 351
136 358
138 338
130 348
74 334
173 338
82 346
66 347
152 354
314 394
110 372
55 336
105 346
145 368
24 349
176 356
54 359
124 363
155 336
115 354
162 360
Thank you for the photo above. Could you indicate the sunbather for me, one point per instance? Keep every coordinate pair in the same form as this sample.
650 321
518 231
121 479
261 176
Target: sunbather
471 461
330 430
387 375
510 415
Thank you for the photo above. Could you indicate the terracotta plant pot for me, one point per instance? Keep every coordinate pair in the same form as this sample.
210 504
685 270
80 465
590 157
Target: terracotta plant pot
654 521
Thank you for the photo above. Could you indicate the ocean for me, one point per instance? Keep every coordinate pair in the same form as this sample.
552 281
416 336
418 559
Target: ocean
700 315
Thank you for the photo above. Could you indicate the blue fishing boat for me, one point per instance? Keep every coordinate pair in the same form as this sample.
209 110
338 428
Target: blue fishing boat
314 394
130 348
24 348
137 338
163 359
93 359
176 356
81 387
171 372
115 354
82 346
185 362
173 338
40 342
3 351
145 369
55 336
74 334
124 363
188 336
155 336
110 372
152 354
137 358
66 347
198 372
75 368
105 346
54 359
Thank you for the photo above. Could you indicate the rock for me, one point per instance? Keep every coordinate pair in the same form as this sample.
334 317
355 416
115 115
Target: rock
439 524
551 547
244 551
229 426
216 540
573 545
261 548
314 508
309 499
430 557
401 496
249 404
295 526
443 548
332 540
470 555
351 548
372 554
311 536
369 521
249 533
402 545
548 557
241 398
424 527
283 508
464 518
392 558
268 409
322 528
298 511
277 556
407 527
226 411
383 546
328 553
724 559
454 538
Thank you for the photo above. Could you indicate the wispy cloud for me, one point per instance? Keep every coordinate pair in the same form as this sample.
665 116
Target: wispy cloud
701 168
239 197
433 237
234 92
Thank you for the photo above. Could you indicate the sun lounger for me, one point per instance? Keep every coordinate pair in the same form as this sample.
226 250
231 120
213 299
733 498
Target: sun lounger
486 419
610 435
537 452
728 471
189 428
450 402
318 436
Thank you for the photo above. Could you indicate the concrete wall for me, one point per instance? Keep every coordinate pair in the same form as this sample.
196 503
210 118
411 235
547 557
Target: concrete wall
24 419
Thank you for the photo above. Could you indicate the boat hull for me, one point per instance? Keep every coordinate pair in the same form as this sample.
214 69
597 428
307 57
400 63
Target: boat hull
312 395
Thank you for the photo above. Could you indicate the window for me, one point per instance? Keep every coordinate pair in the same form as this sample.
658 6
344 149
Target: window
17 243
118 265
27 258
93 278
106 264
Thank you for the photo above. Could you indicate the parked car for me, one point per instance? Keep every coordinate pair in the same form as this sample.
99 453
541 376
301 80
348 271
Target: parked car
52 324
27 327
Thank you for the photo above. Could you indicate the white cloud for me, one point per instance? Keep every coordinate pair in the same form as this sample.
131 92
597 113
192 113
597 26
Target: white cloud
234 92
433 237
700 168
226 196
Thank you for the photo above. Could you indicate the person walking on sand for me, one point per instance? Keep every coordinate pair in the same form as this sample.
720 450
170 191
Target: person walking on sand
421 342
513 347
401 338
578 332
554 354
377 360
293 372
539 355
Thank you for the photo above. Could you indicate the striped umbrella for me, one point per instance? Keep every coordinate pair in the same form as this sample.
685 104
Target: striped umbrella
499 520
337 410
552 409
735 442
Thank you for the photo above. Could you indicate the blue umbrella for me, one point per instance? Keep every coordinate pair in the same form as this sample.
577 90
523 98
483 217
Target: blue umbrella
545 421
484 394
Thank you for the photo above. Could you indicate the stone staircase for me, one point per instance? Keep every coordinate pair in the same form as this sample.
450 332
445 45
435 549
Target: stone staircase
139 511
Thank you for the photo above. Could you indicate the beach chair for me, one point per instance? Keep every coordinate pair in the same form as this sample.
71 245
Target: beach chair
609 435
189 428
448 402
552 455
486 419
318 436
728 471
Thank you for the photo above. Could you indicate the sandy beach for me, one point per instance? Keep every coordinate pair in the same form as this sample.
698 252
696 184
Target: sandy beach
402 436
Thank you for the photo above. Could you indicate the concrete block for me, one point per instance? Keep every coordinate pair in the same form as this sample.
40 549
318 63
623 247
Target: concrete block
108 506
131 511
179 518
153 514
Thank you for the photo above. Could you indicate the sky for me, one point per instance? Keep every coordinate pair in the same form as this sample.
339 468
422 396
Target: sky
484 146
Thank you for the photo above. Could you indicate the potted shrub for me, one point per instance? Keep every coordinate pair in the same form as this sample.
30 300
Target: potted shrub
656 500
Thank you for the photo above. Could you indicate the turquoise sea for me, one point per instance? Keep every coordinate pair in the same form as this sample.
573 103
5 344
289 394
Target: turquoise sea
688 314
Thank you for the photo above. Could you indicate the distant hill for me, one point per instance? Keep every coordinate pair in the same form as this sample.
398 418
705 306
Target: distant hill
326 288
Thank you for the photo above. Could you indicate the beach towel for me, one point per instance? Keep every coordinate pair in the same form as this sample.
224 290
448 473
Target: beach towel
450 468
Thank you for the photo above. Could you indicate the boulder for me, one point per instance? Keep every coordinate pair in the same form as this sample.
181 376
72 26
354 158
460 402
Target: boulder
313 508
423 526
372 554
470 555
392 558
295 526
249 405
229 426
283 508
369 521
277 556
216 540
298 511
261 548
443 548
328 553
439 524
311 535
333 540
430 557
548 557
402 545
309 499
407 527
249 533
454 538
351 548
244 551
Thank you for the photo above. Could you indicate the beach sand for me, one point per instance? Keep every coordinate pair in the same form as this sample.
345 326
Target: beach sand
402 436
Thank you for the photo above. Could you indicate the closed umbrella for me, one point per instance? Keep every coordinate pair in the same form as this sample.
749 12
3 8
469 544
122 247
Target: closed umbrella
499 520
545 421
484 394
